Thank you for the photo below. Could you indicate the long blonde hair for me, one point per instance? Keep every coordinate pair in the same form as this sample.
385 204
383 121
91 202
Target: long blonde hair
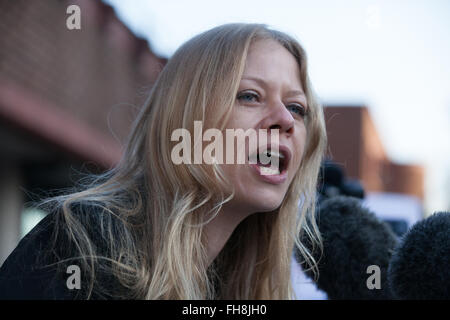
150 212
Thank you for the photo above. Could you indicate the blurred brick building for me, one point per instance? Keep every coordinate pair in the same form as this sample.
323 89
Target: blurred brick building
67 98
394 192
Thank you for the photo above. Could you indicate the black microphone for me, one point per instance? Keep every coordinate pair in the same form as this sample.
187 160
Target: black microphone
420 267
353 240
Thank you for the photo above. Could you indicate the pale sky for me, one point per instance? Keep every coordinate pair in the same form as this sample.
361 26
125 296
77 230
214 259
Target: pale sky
391 55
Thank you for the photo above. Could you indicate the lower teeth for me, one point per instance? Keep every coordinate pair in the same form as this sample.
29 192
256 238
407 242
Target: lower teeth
267 171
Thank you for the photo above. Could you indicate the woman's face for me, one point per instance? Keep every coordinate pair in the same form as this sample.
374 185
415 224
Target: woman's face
270 96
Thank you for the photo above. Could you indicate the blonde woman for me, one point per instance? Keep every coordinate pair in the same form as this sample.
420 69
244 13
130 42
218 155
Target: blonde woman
155 229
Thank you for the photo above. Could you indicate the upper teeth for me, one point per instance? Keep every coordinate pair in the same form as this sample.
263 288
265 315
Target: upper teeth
268 171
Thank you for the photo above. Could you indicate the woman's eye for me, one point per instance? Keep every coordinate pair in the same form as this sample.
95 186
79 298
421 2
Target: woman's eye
247 97
298 109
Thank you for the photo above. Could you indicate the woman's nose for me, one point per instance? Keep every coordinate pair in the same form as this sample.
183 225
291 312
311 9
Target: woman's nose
279 118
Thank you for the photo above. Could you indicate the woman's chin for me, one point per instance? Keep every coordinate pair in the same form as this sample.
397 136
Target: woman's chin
267 203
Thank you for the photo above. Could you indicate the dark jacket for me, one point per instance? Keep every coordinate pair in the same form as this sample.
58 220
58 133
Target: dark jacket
24 274
36 268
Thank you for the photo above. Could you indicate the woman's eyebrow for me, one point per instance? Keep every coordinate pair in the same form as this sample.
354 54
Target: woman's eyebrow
296 93
263 83
256 79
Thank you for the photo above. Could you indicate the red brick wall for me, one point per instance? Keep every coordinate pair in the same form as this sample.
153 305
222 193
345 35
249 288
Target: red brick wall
344 138
91 74
373 157
407 179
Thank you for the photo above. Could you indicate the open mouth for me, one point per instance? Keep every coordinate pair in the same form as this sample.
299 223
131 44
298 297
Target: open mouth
271 162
